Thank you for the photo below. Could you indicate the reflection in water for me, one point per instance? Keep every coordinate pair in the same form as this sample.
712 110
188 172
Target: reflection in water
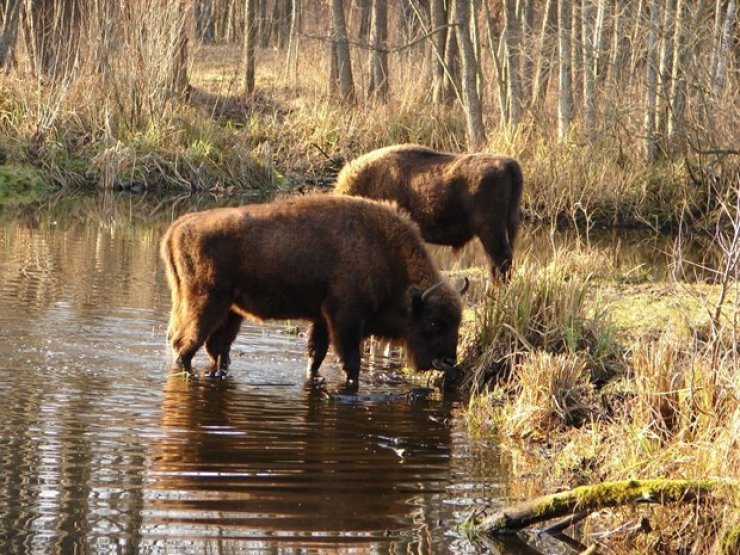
260 463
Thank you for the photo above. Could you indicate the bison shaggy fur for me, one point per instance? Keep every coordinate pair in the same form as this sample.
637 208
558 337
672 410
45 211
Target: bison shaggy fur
352 267
452 197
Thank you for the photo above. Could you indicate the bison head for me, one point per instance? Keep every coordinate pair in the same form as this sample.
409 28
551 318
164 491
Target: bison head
435 315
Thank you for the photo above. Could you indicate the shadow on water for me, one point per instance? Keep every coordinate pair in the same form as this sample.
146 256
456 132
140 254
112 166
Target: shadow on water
101 450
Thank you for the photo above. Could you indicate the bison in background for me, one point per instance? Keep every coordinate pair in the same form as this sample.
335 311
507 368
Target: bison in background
452 197
352 267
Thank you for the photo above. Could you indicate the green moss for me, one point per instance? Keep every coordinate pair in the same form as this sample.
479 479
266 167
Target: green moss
21 184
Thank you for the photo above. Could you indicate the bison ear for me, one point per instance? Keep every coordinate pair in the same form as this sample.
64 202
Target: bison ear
415 299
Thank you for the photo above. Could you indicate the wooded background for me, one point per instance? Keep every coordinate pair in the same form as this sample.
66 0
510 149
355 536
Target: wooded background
664 69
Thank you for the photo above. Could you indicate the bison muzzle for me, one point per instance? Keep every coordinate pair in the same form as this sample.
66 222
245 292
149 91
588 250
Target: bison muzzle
350 266
453 197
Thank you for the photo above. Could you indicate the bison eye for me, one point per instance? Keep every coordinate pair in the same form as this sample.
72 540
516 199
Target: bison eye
435 325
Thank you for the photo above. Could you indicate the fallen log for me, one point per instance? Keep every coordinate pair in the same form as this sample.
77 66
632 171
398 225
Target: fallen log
591 498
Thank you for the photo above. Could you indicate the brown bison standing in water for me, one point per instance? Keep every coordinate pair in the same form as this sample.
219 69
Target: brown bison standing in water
451 196
352 267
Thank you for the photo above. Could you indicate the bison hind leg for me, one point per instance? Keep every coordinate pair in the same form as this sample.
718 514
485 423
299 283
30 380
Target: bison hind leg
318 345
199 319
219 343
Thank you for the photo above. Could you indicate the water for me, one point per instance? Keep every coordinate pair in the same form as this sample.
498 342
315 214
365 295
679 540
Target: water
104 450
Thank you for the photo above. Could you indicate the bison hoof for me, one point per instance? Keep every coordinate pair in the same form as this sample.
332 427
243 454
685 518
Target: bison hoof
351 386
218 374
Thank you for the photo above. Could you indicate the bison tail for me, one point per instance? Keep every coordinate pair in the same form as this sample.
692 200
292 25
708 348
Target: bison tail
173 281
517 186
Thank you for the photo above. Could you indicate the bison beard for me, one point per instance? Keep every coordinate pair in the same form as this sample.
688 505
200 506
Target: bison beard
352 267
452 197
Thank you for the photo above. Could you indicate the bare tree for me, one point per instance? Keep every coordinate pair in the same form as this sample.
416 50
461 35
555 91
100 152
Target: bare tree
525 11
546 46
651 82
378 86
666 67
365 11
511 34
723 48
678 77
250 38
204 20
439 38
619 42
476 132
344 64
589 85
565 104
453 82
598 38
9 31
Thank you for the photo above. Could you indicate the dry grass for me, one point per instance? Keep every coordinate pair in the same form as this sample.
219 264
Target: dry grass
671 410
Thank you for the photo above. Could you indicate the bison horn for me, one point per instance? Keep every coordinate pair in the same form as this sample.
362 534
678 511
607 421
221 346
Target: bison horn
464 286
430 290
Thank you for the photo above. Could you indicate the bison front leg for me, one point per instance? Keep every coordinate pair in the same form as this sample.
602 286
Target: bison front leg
347 340
219 343
498 248
318 344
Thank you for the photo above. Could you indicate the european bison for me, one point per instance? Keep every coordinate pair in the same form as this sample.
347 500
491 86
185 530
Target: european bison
352 267
451 196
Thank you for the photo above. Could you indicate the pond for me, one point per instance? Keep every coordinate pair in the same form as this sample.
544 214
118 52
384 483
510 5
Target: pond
103 449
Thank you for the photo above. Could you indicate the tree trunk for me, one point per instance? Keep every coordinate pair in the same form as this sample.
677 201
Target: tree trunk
634 54
619 47
9 32
378 87
452 63
651 82
716 36
250 38
576 60
678 78
666 68
589 85
439 20
204 20
365 11
544 56
476 132
496 55
598 40
290 58
511 32
344 64
723 50
264 25
526 26
565 104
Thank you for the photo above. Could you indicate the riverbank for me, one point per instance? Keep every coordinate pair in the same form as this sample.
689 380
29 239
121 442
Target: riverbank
587 376
291 136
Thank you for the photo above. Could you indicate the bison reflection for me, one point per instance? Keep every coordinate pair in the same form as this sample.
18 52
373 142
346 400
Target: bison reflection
352 267
452 197
257 463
